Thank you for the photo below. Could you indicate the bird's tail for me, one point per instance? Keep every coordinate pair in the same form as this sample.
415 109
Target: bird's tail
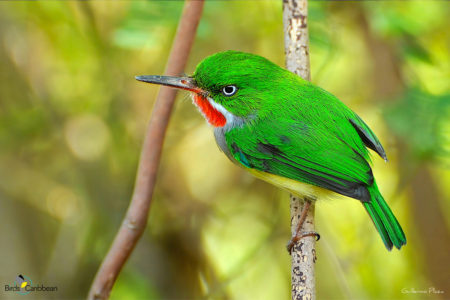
387 225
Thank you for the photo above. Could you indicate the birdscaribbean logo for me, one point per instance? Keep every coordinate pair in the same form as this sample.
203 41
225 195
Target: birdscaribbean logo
23 285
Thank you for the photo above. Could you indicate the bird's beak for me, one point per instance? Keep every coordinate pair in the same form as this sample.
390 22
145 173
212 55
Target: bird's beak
185 83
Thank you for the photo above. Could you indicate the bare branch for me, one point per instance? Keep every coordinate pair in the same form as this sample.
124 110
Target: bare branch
295 13
296 39
136 218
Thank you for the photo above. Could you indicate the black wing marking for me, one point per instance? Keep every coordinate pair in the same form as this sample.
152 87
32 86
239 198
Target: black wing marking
368 138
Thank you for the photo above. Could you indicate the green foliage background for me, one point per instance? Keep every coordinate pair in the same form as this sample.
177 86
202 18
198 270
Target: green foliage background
72 120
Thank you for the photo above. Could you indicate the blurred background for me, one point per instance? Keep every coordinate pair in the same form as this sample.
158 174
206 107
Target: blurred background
72 121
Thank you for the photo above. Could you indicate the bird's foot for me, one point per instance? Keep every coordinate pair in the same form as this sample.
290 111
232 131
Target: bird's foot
298 237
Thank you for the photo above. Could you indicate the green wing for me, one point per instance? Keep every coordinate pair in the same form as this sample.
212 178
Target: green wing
322 143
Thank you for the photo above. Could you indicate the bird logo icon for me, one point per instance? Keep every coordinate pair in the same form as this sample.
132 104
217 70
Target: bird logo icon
22 282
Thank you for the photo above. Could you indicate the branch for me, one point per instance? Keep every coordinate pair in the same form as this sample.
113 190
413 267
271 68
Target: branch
136 218
303 254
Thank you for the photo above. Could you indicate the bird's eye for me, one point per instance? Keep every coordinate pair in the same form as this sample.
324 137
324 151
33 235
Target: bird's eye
229 90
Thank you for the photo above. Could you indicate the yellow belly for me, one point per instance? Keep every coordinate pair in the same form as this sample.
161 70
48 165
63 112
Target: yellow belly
295 187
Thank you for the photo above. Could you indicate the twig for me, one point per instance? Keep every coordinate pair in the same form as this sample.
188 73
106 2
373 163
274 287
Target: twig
303 254
136 218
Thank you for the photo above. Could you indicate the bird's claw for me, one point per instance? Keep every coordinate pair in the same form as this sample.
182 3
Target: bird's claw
297 237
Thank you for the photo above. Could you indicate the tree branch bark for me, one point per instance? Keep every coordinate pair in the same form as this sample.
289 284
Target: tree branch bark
136 218
303 254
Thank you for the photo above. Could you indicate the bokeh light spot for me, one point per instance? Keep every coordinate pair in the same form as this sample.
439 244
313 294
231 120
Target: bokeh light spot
87 136
62 203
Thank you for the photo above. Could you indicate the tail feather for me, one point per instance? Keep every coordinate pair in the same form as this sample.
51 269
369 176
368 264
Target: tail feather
387 225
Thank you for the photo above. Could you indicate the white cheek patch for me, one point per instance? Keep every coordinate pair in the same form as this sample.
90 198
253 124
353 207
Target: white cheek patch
228 116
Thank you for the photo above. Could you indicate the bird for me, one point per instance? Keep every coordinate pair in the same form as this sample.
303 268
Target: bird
289 132
21 281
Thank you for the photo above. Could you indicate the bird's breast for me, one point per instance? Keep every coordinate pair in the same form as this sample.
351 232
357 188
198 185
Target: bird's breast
219 135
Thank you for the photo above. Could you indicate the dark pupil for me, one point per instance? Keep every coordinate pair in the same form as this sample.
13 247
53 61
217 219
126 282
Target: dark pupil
229 89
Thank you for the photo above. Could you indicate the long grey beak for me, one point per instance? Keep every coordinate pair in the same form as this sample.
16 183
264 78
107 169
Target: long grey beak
185 83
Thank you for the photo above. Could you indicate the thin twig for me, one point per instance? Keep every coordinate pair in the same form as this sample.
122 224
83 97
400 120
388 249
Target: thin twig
136 218
303 254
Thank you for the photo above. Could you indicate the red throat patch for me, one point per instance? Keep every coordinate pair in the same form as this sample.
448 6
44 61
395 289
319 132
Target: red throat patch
214 117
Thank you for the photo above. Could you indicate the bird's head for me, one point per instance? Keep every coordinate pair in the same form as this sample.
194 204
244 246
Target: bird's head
228 86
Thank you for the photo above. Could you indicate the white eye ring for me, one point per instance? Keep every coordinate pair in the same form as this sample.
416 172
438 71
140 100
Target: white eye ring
229 90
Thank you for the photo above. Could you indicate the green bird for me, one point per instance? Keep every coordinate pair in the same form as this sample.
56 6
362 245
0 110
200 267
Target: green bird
288 132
